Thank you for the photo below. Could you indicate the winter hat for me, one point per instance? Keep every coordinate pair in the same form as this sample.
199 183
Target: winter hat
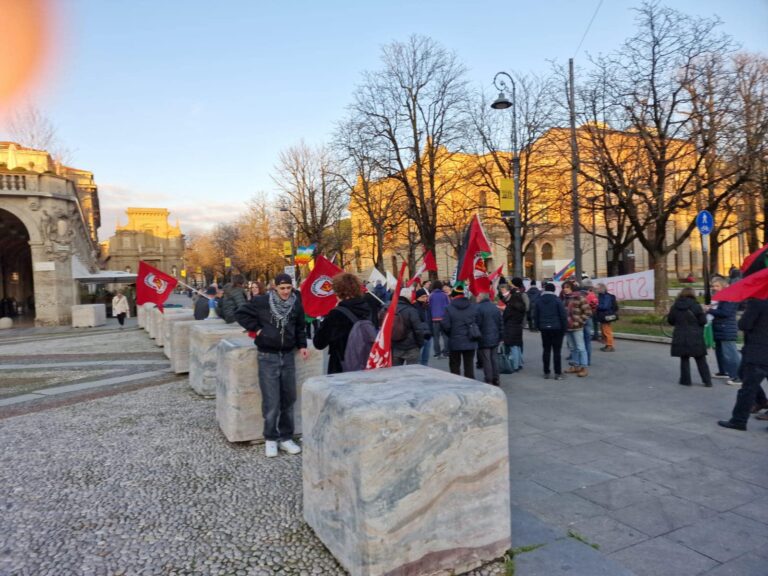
517 282
457 292
421 292
282 278
549 287
586 283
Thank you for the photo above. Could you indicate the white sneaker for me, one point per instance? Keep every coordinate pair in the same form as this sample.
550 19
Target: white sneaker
289 446
735 382
270 448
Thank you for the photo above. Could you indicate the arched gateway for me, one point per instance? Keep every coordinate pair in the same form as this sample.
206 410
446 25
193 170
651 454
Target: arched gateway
49 214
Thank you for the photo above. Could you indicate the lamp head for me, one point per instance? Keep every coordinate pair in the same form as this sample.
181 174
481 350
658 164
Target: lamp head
501 103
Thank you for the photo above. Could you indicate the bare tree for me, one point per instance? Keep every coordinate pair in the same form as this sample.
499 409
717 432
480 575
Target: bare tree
647 133
412 109
315 195
29 127
258 248
376 203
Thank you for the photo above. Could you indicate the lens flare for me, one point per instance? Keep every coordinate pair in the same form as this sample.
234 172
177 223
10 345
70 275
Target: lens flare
25 33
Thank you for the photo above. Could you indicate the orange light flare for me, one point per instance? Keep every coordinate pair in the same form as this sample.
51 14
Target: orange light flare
26 42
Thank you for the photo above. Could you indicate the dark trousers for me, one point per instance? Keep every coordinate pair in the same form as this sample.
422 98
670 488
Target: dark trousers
552 341
751 392
277 381
490 361
701 364
455 360
121 318
437 334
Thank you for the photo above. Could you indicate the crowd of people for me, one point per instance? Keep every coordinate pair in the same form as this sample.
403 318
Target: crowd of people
483 331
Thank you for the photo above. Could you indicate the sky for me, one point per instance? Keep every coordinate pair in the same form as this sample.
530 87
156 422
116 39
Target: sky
186 104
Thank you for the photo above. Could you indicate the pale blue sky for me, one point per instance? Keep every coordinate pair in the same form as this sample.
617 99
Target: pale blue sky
186 104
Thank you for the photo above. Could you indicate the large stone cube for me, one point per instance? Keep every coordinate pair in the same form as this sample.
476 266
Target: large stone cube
88 315
204 336
180 343
147 314
406 470
159 318
185 316
238 396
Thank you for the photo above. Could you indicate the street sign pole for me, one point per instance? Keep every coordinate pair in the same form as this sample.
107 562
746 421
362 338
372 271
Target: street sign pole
705 222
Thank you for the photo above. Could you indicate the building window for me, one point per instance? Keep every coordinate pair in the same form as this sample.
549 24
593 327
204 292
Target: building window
547 251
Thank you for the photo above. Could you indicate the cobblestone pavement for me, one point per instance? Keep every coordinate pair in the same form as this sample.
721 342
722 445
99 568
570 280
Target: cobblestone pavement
119 480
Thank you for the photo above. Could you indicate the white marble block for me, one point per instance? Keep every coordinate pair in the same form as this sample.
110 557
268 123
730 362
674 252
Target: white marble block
159 319
179 334
238 396
86 315
185 316
140 316
204 336
148 307
406 470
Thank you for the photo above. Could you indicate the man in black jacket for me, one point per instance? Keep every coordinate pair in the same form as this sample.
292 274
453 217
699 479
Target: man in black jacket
277 319
552 321
233 298
407 350
754 364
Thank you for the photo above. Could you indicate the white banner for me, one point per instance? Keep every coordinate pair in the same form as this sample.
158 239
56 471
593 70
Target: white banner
637 286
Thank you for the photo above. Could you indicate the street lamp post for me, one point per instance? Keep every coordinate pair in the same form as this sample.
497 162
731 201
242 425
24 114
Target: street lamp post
502 103
294 248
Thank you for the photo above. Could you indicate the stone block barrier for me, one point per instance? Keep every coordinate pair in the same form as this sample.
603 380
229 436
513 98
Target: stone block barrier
238 396
88 315
185 316
204 337
179 335
406 470
143 313
160 318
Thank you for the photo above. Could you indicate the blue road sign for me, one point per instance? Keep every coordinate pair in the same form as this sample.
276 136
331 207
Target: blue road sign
705 222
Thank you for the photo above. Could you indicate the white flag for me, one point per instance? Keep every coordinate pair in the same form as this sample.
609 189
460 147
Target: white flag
376 276
391 281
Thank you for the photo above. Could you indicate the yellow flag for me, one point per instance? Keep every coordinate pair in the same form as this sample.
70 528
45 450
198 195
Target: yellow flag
183 272
507 197
227 262
287 248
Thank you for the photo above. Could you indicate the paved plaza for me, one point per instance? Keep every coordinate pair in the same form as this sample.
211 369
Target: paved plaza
112 465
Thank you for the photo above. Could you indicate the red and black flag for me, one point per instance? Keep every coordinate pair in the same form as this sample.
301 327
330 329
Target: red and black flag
754 282
475 251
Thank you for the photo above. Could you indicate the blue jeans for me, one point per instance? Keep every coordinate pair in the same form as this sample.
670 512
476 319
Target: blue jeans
578 350
424 361
277 381
728 357
588 341
515 355
436 335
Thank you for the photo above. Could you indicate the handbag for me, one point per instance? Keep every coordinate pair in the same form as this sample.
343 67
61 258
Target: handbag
505 365
474 331
610 318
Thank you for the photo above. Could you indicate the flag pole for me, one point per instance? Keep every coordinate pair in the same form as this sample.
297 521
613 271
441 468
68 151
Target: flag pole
192 288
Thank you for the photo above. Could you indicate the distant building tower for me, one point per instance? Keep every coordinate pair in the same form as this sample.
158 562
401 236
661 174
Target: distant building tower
149 237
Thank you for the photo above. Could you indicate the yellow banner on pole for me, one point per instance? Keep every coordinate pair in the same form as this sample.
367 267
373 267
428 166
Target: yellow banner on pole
227 262
287 248
507 197
199 270
183 272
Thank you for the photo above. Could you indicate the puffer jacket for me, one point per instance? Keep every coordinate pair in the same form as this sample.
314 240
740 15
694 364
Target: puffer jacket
550 313
754 323
233 298
458 316
415 328
514 313
489 322
256 316
578 309
606 305
724 325
689 320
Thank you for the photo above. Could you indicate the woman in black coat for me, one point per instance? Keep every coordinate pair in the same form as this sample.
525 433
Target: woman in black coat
512 319
689 320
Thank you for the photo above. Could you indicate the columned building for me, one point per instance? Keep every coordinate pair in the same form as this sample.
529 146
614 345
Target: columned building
149 237
49 215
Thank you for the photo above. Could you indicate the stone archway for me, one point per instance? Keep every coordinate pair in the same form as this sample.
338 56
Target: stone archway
16 276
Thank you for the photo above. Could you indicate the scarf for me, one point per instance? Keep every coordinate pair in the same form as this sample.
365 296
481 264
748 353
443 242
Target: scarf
281 309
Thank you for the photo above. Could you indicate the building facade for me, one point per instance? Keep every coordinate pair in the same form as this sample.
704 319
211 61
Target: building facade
149 237
49 215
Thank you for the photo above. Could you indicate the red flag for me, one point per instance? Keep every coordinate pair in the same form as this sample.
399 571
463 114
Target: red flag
428 265
152 285
381 351
473 266
755 281
317 294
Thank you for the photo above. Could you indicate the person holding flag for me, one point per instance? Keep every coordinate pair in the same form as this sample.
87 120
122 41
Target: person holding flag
277 320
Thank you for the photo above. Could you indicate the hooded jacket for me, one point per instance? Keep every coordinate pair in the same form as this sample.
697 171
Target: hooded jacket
514 314
233 298
689 320
754 323
334 330
416 329
458 316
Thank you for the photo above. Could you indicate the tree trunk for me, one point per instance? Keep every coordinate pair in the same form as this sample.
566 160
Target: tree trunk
660 282
379 263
